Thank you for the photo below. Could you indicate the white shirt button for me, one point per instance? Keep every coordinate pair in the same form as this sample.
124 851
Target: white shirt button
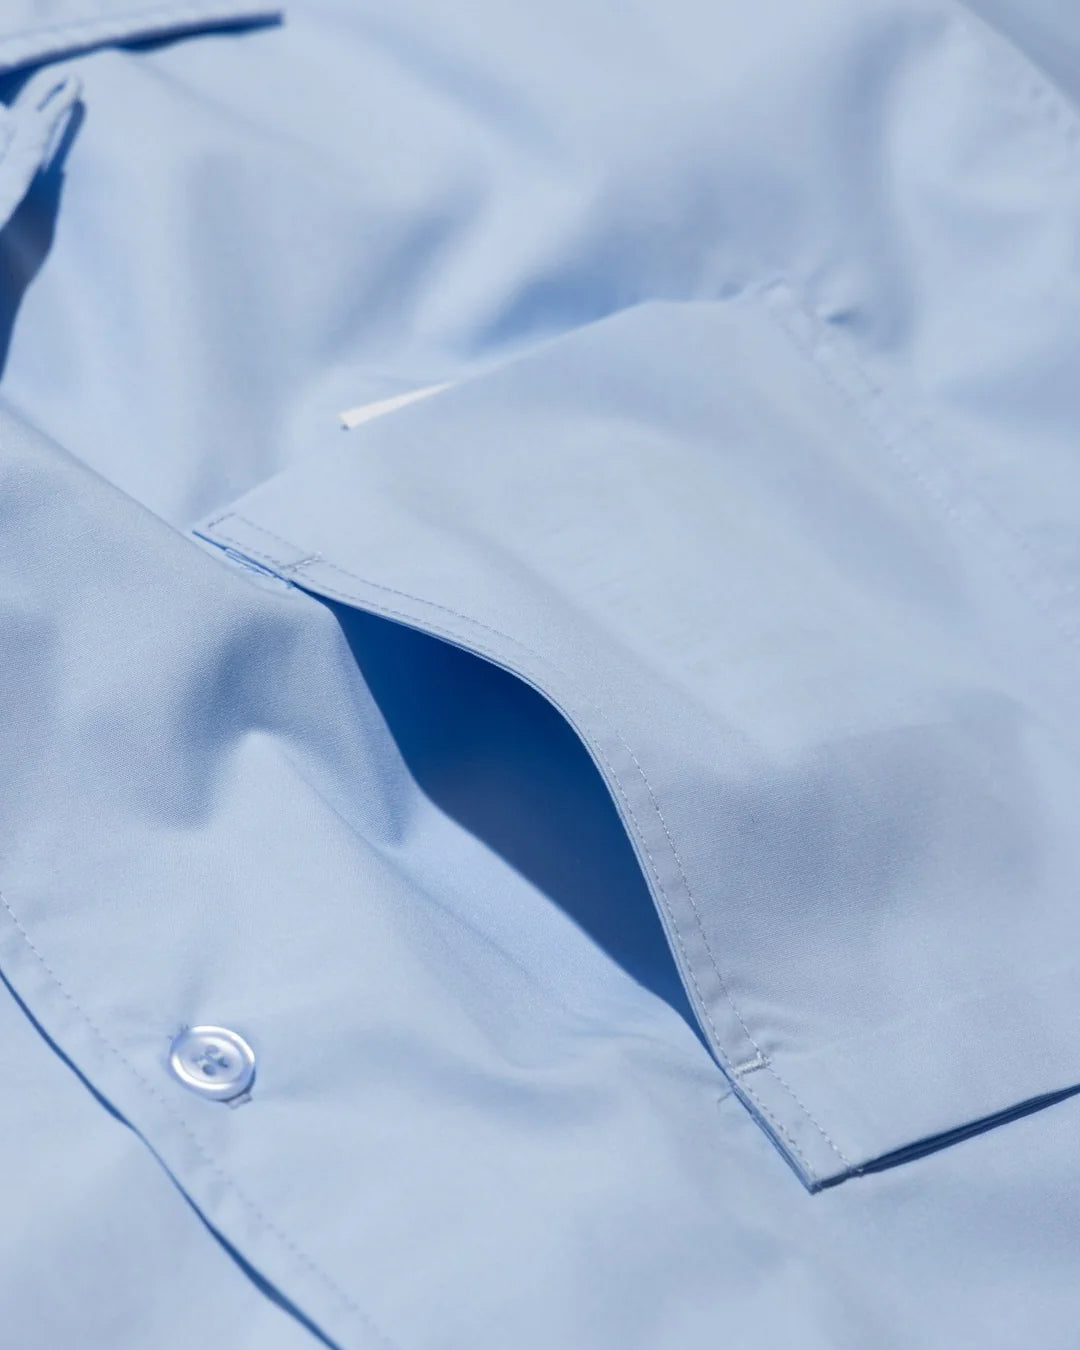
213 1061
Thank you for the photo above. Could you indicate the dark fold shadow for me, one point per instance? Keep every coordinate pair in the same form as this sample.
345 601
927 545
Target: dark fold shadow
922 1147
27 237
499 759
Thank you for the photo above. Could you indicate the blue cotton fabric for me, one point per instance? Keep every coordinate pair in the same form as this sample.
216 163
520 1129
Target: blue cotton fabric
628 799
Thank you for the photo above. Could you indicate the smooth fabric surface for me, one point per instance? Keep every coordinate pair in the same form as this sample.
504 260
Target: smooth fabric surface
628 799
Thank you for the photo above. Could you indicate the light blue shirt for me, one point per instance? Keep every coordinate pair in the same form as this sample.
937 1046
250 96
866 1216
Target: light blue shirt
617 812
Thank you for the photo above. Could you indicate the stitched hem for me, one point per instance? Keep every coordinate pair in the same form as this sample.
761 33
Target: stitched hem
147 1088
307 559
903 439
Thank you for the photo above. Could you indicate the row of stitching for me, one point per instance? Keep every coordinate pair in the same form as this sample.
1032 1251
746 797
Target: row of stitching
889 427
1057 117
615 779
638 833
760 1060
252 1208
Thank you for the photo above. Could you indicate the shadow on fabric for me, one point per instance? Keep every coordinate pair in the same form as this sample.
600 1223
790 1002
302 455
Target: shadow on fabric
503 763
27 237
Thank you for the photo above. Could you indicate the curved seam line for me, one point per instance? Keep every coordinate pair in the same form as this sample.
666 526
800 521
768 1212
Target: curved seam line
249 1204
277 562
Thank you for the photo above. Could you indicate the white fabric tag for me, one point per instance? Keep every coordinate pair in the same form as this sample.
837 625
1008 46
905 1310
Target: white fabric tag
365 412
